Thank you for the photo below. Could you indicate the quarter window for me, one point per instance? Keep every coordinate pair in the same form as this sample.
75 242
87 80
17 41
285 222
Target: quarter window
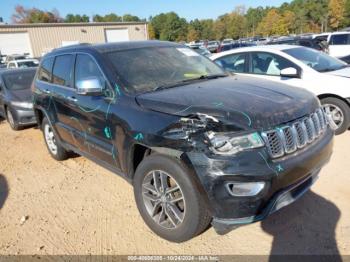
233 63
45 70
269 64
62 70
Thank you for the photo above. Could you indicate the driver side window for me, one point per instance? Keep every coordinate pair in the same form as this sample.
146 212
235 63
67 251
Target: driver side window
86 68
269 64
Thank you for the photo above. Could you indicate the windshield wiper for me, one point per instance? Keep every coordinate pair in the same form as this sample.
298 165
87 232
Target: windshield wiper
179 83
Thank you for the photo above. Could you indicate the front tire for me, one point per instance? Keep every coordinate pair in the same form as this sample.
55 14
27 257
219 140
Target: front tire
55 149
12 120
168 199
339 111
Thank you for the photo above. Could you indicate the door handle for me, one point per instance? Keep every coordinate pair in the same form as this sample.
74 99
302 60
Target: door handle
72 99
47 91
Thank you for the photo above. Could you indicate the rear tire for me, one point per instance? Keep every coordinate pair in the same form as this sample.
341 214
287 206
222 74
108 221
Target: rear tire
55 149
340 112
174 221
12 120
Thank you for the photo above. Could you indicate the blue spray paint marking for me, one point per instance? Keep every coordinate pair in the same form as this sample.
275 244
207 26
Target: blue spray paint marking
218 104
139 136
279 168
117 90
114 99
108 132
267 164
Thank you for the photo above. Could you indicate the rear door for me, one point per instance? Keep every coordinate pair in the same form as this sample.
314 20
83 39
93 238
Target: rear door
339 45
61 95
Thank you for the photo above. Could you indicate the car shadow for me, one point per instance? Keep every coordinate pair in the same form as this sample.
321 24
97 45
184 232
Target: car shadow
4 190
306 227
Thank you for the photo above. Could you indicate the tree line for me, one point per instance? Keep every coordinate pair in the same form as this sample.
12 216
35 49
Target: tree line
296 17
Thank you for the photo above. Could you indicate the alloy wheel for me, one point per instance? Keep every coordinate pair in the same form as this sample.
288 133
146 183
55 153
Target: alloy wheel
50 139
336 114
163 199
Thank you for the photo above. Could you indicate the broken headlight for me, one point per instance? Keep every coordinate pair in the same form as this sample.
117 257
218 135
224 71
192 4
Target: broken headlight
228 144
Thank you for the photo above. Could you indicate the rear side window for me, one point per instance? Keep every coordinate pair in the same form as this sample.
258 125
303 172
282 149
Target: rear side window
343 39
45 70
62 70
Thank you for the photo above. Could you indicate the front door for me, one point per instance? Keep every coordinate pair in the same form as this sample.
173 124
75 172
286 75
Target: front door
96 130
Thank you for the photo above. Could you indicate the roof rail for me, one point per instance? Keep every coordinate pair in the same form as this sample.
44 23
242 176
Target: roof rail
70 46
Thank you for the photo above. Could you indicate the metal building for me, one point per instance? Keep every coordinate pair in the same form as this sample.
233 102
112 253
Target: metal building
38 39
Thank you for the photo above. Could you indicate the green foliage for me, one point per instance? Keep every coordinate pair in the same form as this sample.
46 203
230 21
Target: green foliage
169 27
33 15
70 18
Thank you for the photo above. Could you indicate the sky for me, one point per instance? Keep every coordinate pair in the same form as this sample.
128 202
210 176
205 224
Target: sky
189 9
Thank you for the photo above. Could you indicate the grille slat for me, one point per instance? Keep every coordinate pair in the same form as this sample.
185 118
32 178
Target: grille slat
296 135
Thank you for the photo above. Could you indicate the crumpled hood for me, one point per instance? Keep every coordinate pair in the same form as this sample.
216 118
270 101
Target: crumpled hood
345 72
241 101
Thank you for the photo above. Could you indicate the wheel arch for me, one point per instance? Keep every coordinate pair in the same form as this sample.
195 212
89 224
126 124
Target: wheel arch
322 96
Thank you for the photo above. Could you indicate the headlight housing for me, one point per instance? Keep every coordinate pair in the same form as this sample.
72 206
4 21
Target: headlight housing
228 144
25 105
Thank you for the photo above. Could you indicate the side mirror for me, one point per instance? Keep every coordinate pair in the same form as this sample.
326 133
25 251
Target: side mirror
290 72
89 86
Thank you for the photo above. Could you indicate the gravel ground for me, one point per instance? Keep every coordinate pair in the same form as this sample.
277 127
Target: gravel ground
77 207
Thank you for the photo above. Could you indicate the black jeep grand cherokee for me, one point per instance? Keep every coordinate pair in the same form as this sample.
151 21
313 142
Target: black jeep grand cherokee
199 146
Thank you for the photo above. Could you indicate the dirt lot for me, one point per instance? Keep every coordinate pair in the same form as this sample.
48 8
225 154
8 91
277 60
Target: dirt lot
77 207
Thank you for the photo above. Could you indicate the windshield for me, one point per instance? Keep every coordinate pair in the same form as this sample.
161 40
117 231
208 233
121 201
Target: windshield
18 80
26 64
146 69
321 62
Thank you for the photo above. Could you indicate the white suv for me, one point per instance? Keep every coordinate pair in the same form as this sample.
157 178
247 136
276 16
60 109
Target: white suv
339 43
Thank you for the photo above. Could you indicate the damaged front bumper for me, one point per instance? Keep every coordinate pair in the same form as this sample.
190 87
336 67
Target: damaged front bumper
286 179
280 200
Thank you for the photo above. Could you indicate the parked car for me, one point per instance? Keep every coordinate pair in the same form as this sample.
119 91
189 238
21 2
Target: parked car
16 97
198 145
227 47
317 43
227 41
14 57
201 50
339 43
213 46
23 63
325 76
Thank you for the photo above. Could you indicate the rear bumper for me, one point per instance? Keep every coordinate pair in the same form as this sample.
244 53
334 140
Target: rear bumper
280 200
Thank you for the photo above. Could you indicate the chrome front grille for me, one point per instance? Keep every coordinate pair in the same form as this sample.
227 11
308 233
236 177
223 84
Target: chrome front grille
291 137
